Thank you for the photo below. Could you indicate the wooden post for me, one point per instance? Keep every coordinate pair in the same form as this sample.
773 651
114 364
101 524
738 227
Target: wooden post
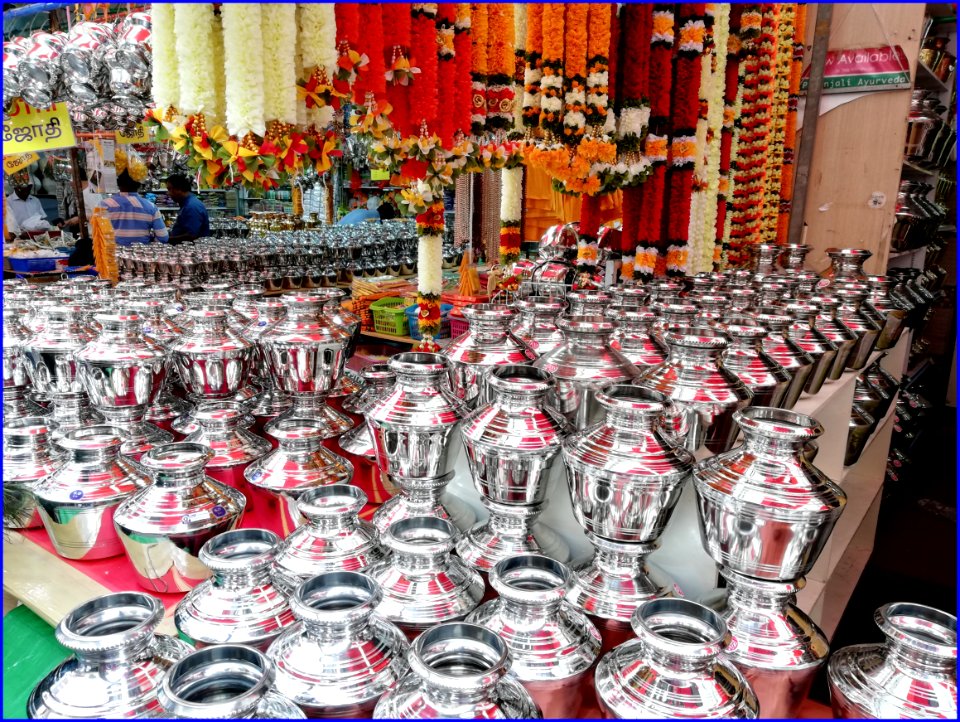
811 110
78 193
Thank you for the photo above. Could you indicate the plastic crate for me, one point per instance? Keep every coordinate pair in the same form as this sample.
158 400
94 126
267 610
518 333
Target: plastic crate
414 324
34 265
389 316
458 324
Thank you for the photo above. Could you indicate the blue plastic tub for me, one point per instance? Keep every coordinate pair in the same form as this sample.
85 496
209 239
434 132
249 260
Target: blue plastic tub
33 265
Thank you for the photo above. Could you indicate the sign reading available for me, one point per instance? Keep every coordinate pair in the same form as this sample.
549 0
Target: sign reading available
865 69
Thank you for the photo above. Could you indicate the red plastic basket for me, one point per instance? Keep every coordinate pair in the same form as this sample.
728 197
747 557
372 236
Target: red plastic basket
458 324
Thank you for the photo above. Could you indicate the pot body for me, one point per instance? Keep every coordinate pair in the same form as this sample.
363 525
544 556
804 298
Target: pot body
28 459
912 675
50 354
212 360
745 358
537 326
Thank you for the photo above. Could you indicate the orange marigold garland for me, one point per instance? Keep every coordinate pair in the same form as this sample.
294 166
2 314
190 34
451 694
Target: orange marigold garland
598 59
533 69
479 28
424 102
399 73
500 67
551 80
778 122
575 72
463 50
730 95
446 66
790 125
683 144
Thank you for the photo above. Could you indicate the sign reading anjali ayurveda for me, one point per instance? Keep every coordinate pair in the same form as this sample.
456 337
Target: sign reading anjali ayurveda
857 71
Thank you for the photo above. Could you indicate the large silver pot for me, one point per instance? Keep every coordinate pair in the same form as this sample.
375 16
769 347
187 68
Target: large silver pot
28 459
537 327
213 361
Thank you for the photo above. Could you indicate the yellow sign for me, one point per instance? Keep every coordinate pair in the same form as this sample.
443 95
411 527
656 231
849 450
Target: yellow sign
26 128
15 163
136 134
379 175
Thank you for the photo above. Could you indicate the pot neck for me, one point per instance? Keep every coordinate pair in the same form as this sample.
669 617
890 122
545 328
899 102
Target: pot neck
922 641
459 664
240 559
617 559
335 606
112 629
748 593
681 637
531 588
420 546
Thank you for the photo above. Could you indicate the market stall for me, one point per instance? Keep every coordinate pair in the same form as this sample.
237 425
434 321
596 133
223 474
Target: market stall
504 350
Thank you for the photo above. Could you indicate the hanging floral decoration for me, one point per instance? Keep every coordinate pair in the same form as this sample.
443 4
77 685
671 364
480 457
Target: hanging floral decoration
598 78
731 104
575 72
500 66
426 204
790 124
519 62
446 65
317 41
463 81
478 75
551 79
533 68
166 81
279 24
243 54
778 121
511 208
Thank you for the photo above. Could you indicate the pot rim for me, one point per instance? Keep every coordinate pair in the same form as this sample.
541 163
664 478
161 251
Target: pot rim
652 618
331 501
108 609
487 647
693 336
178 457
336 598
419 363
420 536
520 379
919 627
778 423
239 549
530 578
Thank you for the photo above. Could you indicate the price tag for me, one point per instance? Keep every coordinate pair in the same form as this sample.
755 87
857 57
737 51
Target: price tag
14 163
136 134
27 129
379 175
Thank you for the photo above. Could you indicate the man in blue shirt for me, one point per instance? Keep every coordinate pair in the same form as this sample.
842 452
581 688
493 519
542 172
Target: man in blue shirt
133 217
193 221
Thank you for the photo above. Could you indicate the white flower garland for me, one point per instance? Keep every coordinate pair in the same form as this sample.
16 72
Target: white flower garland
430 265
192 23
317 35
633 122
279 27
298 64
243 57
511 195
219 114
166 83
519 45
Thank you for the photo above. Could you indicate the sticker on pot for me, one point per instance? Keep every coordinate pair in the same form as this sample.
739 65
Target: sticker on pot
76 495
219 511
677 591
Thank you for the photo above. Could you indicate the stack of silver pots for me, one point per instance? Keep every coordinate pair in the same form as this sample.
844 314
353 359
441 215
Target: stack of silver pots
765 515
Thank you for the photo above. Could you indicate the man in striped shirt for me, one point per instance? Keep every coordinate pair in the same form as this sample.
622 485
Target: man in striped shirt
134 218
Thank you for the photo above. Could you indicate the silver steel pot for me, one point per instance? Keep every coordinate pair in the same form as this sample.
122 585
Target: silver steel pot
458 670
117 665
911 675
239 603
341 656
300 463
213 360
792 257
334 538
77 502
821 349
675 668
487 342
588 303
379 379
71 412
851 313
889 313
705 393
746 359
164 526
50 354
765 512
512 444
422 583
552 645
831 326
28 459
15 334
861 426
229 681
785 351
634 339
585 364
537 326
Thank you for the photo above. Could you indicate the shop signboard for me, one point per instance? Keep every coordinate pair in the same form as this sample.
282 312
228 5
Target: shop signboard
134 134
27 129
13 164
863 69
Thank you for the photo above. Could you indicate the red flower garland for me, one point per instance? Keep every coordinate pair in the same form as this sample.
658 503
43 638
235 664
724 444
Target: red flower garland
396 35
463 92
424 102
348 23
587 246
478 73
446 66
370 43
614 60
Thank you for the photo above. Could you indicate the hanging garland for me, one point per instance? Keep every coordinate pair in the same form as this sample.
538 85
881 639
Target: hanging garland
575 72
426 204
463 89
731 104
317 39
243 54
511 208
551 79
166 81
369 44
219 73
500 67
279 94
533 70
598 78
778 122
479 42
790 124
519 61
424 102
446 65
192 24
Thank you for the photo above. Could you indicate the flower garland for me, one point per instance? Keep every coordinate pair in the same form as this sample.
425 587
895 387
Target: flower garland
279 25
478 74
446 65
519 60
317 37
533 70
192 23
423 201
500 67
790 125
166 83
778 122
399 73
613 67
463 83
575 72
588 247
648 260
369 44
243 54
219 113
731 108
511 209
598 78
551 79
425 102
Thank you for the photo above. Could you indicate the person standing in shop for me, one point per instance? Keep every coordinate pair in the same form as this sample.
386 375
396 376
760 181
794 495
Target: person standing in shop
193 221
133 217
23 205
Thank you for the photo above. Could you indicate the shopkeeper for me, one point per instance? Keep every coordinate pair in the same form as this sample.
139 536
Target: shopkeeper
133 217
193 221
23 206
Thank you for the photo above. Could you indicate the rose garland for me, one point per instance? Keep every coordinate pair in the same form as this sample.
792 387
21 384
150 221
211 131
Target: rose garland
463 87
575 72
778 122
551 79
533 70
192 25
500 67
478 74
790 125
425 101
648 259
446 65
519 60
317 38
166 83
598 78
279 25
511 209
243 54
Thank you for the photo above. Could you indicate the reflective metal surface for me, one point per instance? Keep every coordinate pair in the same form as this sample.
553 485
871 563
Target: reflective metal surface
911 675
785 351
28 459
77 502
808 337
238 604
831 326
117 665
552 645
675 668
634 338
458 670
213 361
164 526
746 359
851 313
422 583
342 655
537 326
50 354
334 538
